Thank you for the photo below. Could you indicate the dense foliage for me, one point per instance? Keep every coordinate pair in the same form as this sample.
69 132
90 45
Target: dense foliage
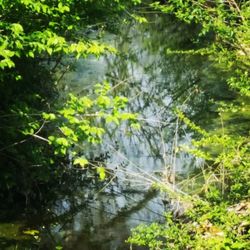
228 22
35 36
40 139
218 216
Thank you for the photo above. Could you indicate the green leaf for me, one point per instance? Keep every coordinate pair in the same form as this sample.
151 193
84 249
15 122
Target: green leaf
101 172
81 161
140 19
31 54
51 139
62 141
111 118
17 28
103 101
49 116
49 50
86 102
62 8
69 133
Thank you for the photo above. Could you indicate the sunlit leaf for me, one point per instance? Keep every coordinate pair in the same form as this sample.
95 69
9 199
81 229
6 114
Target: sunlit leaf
81 161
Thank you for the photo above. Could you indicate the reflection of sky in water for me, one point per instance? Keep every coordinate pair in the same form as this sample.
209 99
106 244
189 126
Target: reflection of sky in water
150 81
87 73
147 96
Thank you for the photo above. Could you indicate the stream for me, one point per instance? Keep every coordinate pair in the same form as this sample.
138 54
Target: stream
156 82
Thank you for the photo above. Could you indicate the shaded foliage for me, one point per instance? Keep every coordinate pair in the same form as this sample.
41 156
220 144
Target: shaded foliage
35 35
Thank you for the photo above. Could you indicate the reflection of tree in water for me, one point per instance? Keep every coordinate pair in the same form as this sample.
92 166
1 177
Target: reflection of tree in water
101 222
155 83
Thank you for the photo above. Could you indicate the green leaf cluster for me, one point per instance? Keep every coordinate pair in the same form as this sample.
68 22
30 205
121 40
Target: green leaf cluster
82 122
227 22
31 28
220 212
207 227
34 37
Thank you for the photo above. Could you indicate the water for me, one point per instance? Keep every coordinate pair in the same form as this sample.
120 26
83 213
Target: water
155 82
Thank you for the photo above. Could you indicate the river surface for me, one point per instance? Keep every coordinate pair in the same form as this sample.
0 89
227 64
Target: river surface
156 82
